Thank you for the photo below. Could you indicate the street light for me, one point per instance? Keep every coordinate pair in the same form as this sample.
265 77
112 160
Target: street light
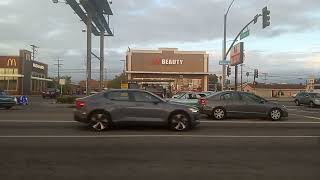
224 45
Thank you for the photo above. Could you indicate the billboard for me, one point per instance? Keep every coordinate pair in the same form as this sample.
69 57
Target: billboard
236 54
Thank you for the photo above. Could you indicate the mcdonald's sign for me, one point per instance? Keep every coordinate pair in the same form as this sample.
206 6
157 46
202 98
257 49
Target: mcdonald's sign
11 62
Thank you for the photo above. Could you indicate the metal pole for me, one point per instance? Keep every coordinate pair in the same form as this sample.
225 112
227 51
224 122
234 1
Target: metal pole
224 51
101 59
89 47
236 78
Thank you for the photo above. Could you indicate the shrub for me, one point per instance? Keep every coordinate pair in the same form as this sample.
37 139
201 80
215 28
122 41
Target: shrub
66 100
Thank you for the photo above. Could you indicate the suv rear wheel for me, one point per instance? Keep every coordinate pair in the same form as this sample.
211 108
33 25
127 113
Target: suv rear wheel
100 121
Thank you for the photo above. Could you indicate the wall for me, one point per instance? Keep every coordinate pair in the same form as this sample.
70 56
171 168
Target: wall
179 61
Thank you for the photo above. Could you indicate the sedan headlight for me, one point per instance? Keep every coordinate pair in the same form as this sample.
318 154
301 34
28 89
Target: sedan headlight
194 110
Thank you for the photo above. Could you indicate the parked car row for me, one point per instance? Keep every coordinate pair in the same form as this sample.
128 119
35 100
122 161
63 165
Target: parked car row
112 108
307 98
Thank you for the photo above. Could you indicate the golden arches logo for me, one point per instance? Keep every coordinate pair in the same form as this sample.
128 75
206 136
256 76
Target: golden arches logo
12 62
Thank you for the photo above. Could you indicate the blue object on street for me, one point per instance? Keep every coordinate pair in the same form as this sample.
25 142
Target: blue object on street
23 100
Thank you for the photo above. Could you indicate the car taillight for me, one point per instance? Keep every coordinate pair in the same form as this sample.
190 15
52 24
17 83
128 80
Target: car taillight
202 102
80 104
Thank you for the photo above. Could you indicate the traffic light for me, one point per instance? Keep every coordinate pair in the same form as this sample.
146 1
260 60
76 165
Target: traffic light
256 73
265 17
228 71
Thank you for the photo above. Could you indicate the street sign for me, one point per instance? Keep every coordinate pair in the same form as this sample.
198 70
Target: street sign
62 81
224 62
244 34
236 54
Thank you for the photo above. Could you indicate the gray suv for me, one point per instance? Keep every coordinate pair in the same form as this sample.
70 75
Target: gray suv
309 98
133 107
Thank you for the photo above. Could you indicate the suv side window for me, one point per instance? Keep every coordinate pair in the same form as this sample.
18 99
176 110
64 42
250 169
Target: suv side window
144 97
117 95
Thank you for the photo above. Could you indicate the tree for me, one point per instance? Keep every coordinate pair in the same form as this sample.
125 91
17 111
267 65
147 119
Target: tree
115 83
213 82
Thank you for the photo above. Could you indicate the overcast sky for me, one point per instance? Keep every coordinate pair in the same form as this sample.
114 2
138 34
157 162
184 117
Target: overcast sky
287 50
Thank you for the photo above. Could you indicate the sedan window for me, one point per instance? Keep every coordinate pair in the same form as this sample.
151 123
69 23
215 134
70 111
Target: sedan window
229 97
251 98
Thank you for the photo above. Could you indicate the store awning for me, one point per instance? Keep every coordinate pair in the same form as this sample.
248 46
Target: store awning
41 79
11 75
179 73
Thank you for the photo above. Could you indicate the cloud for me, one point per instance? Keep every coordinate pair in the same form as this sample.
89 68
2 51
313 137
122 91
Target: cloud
186 24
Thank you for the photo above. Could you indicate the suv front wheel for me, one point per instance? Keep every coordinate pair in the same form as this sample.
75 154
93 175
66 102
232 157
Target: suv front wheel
179 121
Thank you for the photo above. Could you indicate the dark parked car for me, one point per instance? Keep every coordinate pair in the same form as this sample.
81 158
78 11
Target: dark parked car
51 93
241 104
309 98
133 107
6 101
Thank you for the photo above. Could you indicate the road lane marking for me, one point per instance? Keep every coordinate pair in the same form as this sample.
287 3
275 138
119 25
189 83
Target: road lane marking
35 121
153 136
310 117
202 121
259 122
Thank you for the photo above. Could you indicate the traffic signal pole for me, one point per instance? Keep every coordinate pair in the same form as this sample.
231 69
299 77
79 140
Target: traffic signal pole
224 56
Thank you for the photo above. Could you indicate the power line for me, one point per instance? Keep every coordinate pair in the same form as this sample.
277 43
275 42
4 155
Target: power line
59 66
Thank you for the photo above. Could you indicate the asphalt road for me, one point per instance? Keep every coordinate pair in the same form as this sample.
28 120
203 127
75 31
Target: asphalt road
42 141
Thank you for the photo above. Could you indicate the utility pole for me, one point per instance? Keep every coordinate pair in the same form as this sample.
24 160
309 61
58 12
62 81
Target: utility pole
101 60
265 77
34 50
58 64
241 77
89 47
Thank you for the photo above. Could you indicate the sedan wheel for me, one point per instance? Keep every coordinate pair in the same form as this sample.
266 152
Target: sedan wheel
179 122
99 121
275 114
219 114
297 103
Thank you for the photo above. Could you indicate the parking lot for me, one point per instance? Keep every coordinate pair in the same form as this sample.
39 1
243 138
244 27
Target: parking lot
45 136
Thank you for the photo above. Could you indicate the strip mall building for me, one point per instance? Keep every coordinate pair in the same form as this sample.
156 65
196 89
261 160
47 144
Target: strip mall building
19 75
167 67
